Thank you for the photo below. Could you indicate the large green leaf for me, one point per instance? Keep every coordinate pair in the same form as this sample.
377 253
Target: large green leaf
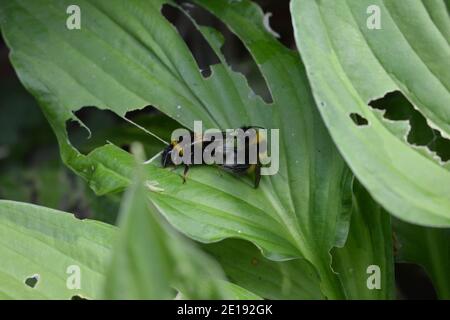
150 258
428 247
127 56
365 264
45 243
247 267
40 247
350 65
141 267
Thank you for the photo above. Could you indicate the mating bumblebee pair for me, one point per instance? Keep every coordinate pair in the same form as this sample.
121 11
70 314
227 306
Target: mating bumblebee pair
242 157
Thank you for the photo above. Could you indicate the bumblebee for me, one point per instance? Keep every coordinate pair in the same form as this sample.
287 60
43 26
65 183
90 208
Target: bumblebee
179 148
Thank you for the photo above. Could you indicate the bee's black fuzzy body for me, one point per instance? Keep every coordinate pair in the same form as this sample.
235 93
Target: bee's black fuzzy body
233 166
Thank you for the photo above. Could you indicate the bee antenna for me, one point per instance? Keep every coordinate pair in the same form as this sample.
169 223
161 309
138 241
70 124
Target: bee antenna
153 158
146 131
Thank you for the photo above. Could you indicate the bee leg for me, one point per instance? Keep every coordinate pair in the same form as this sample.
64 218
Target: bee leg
257 175
186 169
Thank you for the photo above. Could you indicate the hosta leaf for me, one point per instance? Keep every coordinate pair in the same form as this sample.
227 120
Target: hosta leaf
238 293
245 266
319 226
149 258
141 267
365 264
350 65
45 244
126 56
428 247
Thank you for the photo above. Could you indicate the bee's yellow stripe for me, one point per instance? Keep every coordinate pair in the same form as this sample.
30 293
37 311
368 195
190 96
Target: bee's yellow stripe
251 168
178 149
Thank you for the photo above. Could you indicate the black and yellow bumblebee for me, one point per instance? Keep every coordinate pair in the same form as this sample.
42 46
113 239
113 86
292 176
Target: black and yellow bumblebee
247 166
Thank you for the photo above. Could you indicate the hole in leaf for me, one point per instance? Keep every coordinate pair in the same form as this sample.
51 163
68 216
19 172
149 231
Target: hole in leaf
32 281
77 297
358 119
234 51
280 14
397 108
266 22
99 123
105 126
201 50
